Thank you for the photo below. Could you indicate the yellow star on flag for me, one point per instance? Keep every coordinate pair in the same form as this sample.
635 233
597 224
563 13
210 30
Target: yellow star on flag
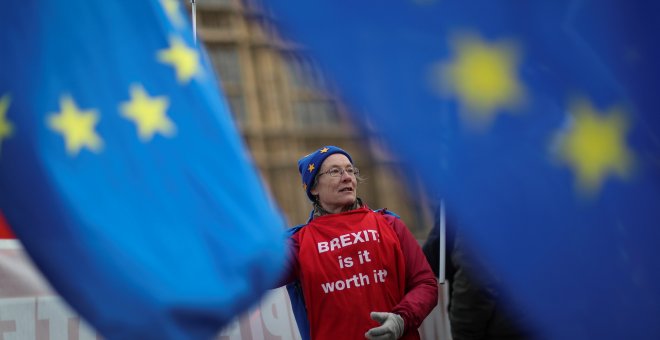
76 126
171 7
148 113
324 150
311 167
6 127
483 76
594 146
184 59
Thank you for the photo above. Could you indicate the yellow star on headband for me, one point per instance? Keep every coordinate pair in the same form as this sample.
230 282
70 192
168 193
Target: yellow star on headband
184 59
310 168
6 127
76 126
594 146
484 77
148 113
324 150
171 8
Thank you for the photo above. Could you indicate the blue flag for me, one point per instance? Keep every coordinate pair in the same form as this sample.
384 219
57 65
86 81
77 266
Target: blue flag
537 123
122 173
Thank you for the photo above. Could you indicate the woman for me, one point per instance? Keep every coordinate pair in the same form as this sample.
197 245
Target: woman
361 272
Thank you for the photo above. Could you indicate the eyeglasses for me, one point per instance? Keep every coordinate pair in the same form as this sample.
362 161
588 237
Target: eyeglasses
338 172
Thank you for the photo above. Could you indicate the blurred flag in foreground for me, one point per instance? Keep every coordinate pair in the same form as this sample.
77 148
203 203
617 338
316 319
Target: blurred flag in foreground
537 123
122 173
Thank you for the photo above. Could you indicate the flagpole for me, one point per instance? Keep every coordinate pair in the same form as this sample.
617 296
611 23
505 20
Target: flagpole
194 19
442 240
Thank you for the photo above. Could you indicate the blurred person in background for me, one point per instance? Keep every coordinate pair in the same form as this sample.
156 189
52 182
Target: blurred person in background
354 273
476 306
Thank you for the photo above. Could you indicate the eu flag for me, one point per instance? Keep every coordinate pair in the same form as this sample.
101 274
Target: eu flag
122 173
536 122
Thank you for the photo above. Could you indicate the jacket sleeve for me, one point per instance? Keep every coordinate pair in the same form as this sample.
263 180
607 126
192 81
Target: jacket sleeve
291 266
421 285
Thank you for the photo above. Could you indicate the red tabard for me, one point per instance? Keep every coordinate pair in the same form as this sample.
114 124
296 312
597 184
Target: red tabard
350 265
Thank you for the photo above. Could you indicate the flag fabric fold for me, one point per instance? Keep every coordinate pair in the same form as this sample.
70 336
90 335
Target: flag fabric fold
122 173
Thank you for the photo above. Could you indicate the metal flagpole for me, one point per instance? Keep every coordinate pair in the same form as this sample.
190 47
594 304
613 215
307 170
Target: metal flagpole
194 19
444 327
442 240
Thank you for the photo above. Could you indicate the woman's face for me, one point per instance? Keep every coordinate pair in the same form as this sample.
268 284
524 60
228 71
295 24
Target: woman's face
335 192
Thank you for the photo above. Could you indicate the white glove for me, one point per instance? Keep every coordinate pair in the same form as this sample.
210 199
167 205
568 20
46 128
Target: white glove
391 326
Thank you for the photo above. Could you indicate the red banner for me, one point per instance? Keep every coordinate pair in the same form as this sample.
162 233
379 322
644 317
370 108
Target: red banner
5 232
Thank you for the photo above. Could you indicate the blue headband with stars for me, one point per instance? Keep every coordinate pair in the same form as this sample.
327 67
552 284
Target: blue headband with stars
309 165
